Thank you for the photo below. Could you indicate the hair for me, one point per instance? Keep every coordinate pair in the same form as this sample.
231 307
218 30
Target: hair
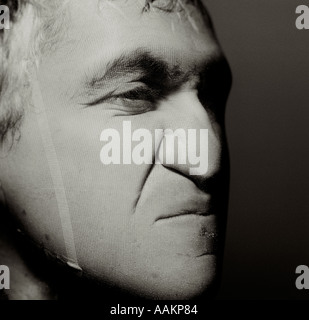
32 22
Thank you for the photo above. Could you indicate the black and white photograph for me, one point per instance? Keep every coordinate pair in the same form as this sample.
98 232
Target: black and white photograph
154 150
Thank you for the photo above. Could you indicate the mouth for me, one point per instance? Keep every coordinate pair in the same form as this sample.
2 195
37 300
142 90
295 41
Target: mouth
190 207
183 219
183 213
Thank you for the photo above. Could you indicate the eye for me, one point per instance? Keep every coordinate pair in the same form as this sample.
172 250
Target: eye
131 97
140 93
138 100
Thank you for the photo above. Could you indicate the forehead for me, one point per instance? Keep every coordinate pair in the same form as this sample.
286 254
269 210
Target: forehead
126 19
102 30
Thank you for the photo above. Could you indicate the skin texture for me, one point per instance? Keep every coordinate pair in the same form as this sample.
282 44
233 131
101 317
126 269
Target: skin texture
118 213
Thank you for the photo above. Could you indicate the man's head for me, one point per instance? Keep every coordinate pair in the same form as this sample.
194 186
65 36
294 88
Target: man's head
70 71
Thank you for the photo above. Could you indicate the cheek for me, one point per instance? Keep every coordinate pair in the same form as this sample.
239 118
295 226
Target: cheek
101 198
29 189
77 142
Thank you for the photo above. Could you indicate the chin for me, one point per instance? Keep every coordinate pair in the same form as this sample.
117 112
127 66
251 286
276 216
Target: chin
181 279
191 280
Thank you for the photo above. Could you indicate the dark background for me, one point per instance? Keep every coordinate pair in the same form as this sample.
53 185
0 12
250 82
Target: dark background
267 126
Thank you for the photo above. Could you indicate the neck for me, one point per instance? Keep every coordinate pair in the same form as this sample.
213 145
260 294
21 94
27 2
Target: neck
36 276
25 284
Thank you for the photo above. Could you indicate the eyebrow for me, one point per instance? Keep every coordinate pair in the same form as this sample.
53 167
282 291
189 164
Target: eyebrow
137 66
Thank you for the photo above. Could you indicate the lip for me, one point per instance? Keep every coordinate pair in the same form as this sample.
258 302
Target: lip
197 205
182 213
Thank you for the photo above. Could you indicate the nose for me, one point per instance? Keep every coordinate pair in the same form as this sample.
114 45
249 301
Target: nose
191 143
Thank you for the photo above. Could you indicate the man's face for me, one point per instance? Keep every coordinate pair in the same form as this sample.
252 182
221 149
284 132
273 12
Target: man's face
151 228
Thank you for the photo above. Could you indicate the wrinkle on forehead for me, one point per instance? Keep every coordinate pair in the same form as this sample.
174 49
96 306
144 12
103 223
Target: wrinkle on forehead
186 10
